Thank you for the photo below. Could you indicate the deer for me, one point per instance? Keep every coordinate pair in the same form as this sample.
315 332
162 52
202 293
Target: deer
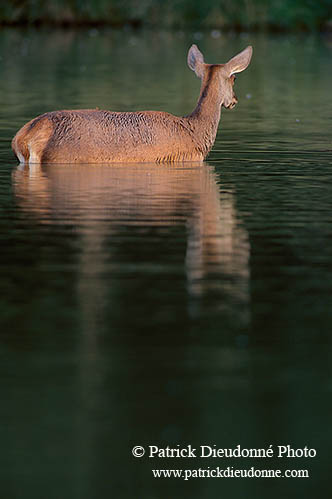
99 136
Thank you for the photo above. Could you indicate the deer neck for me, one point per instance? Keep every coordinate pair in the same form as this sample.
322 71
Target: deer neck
205 118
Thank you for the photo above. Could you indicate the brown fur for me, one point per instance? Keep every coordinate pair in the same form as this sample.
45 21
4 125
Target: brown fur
96 136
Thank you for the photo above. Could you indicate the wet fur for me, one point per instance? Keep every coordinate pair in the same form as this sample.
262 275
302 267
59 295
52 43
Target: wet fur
94 136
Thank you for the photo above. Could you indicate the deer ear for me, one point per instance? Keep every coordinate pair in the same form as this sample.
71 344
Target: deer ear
240 62
196 60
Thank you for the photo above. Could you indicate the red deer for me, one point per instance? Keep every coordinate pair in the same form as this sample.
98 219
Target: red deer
96 136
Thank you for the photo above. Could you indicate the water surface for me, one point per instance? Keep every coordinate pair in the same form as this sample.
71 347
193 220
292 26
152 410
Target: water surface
164 305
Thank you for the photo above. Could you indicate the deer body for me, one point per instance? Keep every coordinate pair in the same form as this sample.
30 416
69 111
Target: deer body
96 136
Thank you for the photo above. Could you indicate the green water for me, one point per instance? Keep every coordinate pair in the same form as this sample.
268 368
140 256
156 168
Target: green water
166 305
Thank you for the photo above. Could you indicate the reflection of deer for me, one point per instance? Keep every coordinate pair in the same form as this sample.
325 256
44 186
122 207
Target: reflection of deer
99 200
121 375
95 136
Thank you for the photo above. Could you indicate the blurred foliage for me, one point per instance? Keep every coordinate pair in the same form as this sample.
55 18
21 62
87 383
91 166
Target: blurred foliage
225 14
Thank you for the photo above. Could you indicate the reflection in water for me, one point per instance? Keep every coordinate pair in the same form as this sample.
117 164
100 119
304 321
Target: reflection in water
100 200
106 206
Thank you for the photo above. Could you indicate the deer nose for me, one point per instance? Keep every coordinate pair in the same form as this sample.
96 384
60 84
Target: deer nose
233 103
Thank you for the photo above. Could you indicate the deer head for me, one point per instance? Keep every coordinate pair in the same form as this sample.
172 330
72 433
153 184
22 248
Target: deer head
219 76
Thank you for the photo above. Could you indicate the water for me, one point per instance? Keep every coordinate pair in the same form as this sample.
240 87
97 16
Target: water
166 305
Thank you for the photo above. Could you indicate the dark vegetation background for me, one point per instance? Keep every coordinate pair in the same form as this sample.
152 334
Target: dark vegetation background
308 15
